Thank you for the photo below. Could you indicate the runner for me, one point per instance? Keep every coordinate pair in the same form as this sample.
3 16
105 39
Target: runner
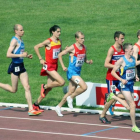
127 66
136 53
77 56
114 53
17 69
52 49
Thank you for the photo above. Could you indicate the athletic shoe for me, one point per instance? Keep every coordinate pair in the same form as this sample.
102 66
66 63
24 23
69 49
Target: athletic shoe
136 129
37 108
42 92
111 109
58 111
65 89
33 112
106 95
104 120
70 100
110 96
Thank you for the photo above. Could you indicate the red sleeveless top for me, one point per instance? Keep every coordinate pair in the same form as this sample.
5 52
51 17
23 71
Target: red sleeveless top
51 56
116 56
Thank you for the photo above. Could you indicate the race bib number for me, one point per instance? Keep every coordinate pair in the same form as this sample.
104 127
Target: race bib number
130 74
55 53
80 60
17 69
122 85
45 67
113 88
77 81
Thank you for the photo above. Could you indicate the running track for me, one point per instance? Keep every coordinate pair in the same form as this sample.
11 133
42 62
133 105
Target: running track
15 124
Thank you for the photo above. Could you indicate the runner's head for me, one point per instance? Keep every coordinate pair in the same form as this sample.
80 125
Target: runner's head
128 48
119 37
55 30
80 38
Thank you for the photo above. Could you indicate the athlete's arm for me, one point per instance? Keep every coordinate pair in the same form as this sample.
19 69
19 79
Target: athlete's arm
12 46
107 63
64 52
40 45
135 54
61 46
117 65
136 77
88 61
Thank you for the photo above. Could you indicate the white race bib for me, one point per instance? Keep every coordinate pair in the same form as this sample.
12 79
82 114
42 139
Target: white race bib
55 53
122 85
17 69
80 60
45 67
130 74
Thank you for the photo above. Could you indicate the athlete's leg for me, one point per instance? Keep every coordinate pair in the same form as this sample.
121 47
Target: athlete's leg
40 98
123 102
58 80
106 107
131 103
14 81
82 86
25 82
72 87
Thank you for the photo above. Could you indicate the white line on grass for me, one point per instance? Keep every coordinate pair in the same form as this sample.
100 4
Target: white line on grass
64 134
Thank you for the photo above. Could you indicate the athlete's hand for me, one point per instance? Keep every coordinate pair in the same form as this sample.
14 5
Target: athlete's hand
89 61
65 69
42 62
124 82
24 54
30 56
137 78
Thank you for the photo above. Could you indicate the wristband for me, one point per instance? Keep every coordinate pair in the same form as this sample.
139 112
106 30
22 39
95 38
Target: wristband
40 59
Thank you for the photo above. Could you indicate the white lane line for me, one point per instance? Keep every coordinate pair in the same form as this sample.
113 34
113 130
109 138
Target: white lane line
64 134
31 119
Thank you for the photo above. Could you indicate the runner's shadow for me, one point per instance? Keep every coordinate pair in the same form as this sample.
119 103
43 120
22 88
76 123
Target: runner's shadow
125 120
19 109
79 114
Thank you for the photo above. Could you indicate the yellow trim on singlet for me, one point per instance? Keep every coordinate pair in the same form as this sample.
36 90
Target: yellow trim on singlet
55 44
122 70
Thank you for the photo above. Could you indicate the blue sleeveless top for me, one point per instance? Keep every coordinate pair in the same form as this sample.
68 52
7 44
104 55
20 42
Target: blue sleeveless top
18 50
128 72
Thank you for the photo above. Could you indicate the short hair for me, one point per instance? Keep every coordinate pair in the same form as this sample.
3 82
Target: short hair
138 33
77 34
118 33
126 45
16 27
53 28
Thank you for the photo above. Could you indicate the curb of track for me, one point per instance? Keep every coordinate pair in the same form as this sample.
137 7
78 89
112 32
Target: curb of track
68 109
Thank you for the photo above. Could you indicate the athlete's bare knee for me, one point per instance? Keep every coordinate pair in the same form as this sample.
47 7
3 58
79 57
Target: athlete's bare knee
132 106
13 91
84 88
128 108
62 83
27 88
